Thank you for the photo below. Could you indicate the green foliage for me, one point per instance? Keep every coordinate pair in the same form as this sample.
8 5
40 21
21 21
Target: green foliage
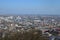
30 35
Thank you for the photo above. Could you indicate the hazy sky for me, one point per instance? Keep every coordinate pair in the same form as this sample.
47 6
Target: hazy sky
30 7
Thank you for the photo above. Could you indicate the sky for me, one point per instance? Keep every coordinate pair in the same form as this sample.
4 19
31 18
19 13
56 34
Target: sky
17 7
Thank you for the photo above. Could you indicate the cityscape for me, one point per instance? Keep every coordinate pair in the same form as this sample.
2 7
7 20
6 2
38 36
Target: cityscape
29 19
21 24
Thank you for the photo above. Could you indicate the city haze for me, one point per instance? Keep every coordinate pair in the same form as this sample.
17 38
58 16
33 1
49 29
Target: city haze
18 7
